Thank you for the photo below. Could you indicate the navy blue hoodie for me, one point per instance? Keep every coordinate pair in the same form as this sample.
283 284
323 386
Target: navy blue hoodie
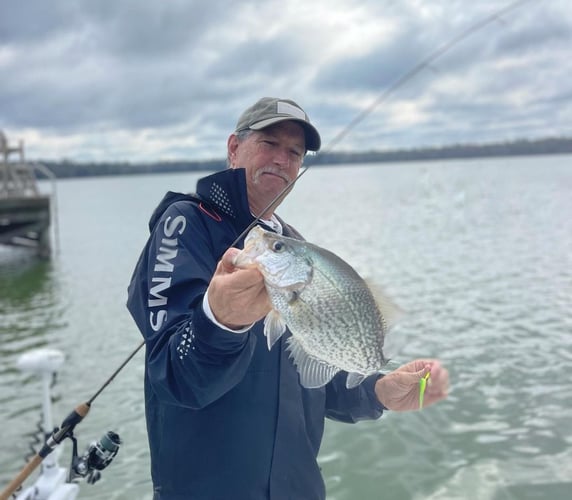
226 417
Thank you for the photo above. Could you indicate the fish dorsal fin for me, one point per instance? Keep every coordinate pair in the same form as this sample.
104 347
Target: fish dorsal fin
313 372
390 311
354 379
274 327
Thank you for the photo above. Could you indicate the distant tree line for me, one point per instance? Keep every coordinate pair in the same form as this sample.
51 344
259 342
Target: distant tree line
69 168
524 147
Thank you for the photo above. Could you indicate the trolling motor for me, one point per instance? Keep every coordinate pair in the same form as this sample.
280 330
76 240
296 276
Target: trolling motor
52 483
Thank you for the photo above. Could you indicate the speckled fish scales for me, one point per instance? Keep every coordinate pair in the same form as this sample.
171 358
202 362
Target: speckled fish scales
335 321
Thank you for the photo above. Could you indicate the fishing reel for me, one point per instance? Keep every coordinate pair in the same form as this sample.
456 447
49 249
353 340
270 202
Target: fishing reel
57 482
98 455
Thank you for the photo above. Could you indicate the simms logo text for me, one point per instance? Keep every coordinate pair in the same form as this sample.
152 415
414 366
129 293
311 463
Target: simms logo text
163 270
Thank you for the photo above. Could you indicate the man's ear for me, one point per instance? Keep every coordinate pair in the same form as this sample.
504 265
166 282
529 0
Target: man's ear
231 146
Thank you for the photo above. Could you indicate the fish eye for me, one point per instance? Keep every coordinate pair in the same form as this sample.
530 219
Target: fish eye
278 246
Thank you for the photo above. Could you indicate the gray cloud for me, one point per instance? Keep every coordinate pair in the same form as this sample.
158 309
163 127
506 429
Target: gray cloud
132 79
34 21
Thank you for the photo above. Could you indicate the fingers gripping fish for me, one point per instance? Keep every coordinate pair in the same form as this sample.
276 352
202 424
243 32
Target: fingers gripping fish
335 321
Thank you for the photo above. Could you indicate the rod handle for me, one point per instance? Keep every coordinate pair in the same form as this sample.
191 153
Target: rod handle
21 477
74 418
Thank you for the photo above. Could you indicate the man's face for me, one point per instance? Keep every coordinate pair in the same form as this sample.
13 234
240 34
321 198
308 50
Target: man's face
272 158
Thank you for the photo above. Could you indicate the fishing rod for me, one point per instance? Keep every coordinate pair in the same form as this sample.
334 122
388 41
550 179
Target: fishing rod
417 68
98 455
80 412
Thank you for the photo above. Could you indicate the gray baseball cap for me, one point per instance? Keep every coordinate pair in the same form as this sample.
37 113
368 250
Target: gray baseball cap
270 110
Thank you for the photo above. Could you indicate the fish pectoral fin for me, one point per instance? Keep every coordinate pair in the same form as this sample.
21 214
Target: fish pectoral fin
354 379
274 327
313 372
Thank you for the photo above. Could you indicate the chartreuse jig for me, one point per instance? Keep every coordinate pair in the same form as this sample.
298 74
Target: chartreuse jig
422 386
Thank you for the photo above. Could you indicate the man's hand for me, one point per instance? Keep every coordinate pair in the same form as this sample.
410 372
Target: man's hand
399 390
237 297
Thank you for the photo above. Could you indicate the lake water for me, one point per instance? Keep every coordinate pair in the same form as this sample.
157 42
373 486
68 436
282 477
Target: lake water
478 253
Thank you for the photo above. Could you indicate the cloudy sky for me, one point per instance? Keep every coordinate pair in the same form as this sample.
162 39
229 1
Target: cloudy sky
143 80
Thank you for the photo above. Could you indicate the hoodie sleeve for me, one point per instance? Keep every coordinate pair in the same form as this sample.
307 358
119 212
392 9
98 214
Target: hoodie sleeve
190 361
352 405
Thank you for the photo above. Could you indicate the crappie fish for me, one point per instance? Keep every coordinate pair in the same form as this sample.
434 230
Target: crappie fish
335 321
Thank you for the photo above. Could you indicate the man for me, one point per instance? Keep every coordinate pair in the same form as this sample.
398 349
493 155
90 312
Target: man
226 417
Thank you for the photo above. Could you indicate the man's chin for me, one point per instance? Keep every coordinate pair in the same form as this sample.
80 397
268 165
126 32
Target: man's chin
273 182
276 177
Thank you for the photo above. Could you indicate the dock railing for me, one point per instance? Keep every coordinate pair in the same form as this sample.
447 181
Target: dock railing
16 177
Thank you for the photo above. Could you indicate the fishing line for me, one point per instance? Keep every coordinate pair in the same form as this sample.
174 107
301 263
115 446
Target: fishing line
384 96
77 415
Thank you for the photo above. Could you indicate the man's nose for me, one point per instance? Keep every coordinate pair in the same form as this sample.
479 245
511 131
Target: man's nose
282 157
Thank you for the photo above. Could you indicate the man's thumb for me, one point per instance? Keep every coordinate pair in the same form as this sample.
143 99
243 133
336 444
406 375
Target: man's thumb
228 260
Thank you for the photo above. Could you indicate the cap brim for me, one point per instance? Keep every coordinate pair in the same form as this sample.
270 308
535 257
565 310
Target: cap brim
313 140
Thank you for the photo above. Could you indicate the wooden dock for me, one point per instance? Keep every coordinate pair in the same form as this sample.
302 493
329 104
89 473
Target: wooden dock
24 212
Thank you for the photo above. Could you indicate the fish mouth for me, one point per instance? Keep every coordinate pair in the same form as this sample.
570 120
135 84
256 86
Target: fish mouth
245 258
253 247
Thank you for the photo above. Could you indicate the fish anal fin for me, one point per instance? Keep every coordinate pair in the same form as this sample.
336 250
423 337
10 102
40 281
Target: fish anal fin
274 327
313 372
